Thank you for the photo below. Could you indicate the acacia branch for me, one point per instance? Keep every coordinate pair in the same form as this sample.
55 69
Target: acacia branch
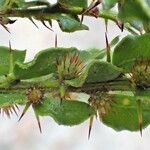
52 12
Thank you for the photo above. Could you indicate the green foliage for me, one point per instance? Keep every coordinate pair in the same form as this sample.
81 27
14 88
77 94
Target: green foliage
18 56
52 82
68 113
77 3
130 11
70 23
44 63
108 4
101 72
12 98
123 114
130 49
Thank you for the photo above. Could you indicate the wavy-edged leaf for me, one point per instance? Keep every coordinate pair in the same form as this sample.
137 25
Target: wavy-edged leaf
108 4
99 71
92 53
68 113
130 49
134 10
123 113
44 63
69 23
96 71
18 56
9 98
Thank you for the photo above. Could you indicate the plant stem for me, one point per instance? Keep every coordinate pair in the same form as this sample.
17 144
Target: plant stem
50 12
53 12
120 85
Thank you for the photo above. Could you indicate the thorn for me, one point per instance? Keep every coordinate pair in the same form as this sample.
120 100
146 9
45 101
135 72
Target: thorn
82 17
56 41
5 28
10 110
30 18
120 25
17 107
76 57
8 113
46 25
24 111
108 48
140 117
14 109
83 67
106 38
38 121
50 23
93 4
94 12
10 49
12 21
90 126
106 25
140 127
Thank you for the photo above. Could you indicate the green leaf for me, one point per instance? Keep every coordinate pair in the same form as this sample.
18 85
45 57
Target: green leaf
92 53
108 4
18 3
137 25
10 98
143 94
98 71
35 3
123 113
95 71
18 56
134 10
74 3
2 5
68 113
130 49
44 63
69 23
115 41
77 82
